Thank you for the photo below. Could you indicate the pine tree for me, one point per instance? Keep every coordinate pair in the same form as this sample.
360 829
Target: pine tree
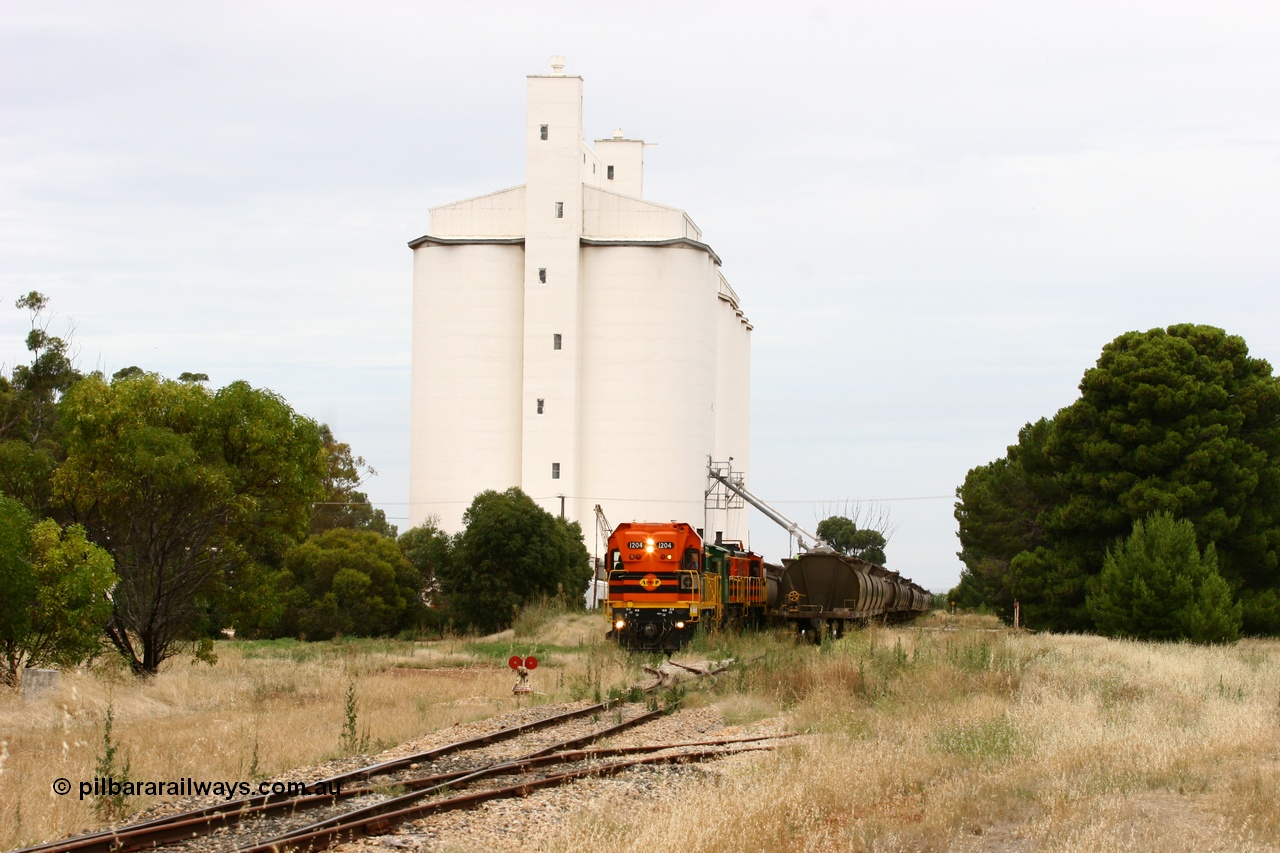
1156 584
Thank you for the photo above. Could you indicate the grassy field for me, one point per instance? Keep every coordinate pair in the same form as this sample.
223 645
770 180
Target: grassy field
979 739
945 735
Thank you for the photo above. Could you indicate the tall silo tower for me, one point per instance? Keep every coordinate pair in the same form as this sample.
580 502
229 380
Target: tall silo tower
574 339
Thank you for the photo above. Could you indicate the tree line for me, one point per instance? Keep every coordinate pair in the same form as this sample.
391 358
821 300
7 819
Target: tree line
1149 507
142 515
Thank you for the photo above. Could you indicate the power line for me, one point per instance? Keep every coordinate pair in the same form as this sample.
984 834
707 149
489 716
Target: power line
871 500
661 500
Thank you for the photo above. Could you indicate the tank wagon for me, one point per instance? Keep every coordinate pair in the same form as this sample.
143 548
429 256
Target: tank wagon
822 591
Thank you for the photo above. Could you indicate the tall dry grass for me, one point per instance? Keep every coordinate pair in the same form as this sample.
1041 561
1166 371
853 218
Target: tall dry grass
981 740
968 738
262 709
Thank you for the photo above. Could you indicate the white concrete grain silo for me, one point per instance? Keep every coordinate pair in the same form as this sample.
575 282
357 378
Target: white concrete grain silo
575 340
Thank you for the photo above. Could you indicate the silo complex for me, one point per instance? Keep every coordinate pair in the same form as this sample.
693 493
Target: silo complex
575 340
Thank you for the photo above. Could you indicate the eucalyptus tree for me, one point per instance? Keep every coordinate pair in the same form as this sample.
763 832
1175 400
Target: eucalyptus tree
187 488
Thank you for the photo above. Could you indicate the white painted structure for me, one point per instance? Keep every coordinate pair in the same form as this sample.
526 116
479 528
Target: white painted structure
575 340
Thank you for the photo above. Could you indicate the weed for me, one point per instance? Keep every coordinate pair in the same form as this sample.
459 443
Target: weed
532 618
255 771
111 768
387 789
352 742
985 739
588 682
1233 694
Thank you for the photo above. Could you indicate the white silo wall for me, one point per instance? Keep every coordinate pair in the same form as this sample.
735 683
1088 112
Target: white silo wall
648 381
467 342
733 400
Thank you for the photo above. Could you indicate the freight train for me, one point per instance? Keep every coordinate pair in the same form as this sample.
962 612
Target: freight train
664 581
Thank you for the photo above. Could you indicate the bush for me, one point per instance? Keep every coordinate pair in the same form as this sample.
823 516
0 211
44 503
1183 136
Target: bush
511 553
53 593
1157 585
351 582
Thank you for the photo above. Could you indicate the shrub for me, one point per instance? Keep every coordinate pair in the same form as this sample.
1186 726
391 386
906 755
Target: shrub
1157 584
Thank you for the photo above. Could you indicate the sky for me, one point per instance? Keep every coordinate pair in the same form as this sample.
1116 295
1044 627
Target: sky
936 213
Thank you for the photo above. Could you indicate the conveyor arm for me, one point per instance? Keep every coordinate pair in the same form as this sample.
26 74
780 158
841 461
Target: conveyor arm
806 540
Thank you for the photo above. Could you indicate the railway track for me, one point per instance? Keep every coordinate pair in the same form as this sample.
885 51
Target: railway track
510 762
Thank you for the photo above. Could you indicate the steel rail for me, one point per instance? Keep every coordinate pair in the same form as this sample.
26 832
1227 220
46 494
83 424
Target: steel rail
503 767
579 755
348 827
187 824
117 839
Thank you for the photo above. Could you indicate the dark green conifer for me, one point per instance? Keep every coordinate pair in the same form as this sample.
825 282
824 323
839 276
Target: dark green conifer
1156 584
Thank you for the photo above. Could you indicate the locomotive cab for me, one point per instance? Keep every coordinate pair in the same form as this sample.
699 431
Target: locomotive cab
658 592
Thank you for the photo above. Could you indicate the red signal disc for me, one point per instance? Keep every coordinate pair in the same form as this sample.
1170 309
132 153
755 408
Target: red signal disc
514 662
530 662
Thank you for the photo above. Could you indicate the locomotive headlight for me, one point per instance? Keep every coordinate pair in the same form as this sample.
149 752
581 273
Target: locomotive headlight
679 624
620 624
648 546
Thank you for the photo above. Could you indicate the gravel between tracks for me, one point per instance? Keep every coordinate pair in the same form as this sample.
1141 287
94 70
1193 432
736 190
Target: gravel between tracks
506 826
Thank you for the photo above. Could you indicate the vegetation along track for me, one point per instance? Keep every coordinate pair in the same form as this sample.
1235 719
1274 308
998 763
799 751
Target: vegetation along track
515 761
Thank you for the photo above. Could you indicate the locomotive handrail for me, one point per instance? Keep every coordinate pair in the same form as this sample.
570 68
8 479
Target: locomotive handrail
711 592
746 590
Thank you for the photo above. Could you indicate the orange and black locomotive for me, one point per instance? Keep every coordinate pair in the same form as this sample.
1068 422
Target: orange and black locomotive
664 581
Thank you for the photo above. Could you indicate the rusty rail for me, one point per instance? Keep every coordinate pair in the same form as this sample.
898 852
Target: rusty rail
164 830
355 824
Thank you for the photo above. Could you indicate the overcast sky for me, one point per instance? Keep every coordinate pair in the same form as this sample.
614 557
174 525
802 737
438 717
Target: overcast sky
935 213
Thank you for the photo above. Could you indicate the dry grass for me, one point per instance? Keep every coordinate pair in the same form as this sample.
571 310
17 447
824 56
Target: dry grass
981 740
262 709
956 735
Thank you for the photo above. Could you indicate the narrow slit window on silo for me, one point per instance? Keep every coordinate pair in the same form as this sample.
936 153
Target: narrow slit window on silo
555 341
542 275
609 173
555 470
540 401
559 210
543 132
